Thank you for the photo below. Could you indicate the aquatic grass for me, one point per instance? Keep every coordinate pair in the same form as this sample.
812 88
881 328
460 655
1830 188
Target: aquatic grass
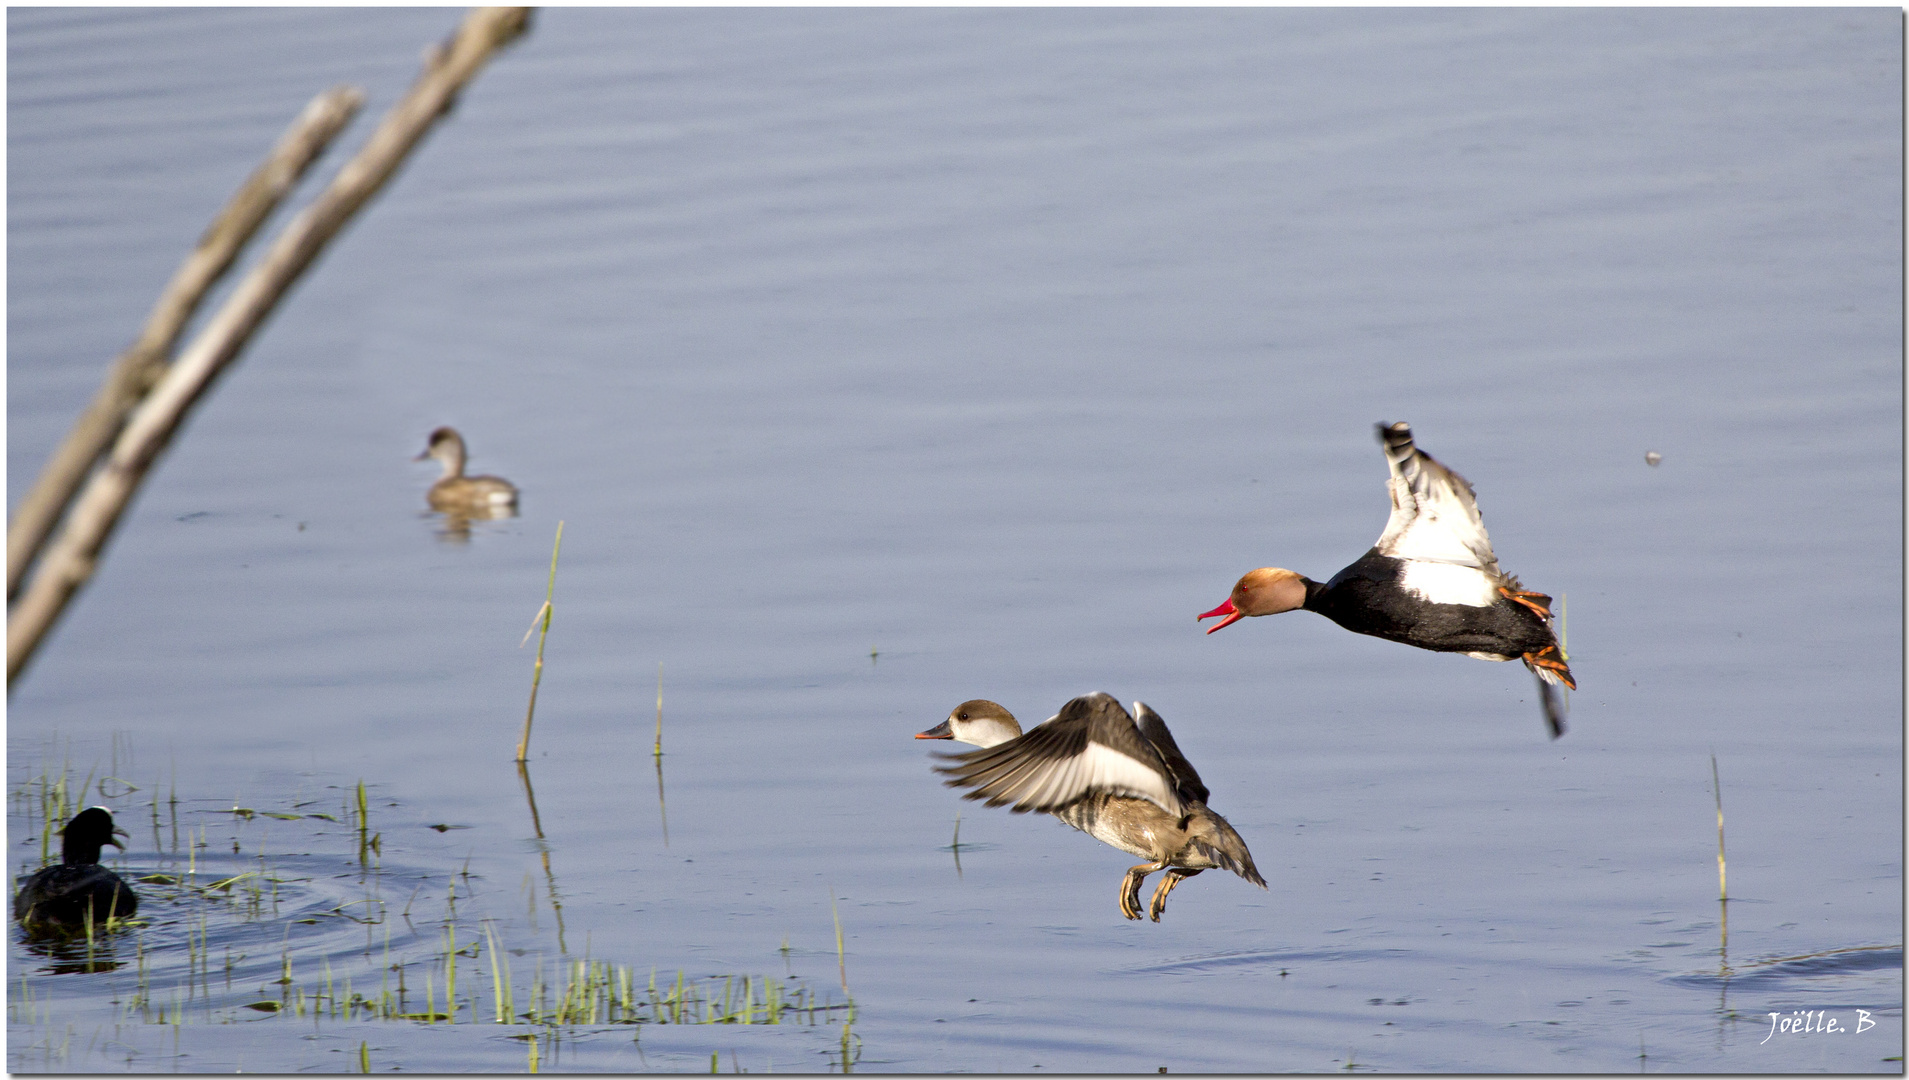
1723 893
500 979
543 617
841 953
577 992
173 980
1564 651
369 843
955 845
1564 630
1716 788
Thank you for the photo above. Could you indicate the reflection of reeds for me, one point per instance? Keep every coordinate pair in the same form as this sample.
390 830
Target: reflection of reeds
543 617
662 809
543 849
366 842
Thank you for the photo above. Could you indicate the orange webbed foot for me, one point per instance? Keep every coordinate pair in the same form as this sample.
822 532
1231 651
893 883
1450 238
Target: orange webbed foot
1537 602
1551 660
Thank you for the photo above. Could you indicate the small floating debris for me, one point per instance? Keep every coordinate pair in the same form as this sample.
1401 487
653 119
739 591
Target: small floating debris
1652 458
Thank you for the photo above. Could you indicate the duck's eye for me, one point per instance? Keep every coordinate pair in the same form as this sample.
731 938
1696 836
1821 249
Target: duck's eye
961 716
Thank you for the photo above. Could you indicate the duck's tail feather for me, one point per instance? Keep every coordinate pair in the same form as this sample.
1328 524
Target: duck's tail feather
1553 698
1226 849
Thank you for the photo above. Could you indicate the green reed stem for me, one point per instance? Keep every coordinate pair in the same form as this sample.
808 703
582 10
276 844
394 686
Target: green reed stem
841 953
1716 786
543 616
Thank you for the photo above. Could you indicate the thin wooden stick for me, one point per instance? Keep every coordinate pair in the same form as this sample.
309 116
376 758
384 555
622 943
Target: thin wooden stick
141 365
71 557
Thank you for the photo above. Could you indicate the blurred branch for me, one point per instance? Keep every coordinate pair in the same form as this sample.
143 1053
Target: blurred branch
70 558
141 365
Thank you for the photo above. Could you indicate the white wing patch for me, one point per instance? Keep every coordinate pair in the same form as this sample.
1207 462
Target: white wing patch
1435 519
1447 583
1434 513
1097 768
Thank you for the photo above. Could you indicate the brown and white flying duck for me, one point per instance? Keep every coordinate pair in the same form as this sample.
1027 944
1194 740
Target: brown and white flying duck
1431 581
1115 777
468 496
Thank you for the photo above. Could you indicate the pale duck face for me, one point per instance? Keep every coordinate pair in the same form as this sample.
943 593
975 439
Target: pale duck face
446 446
979 722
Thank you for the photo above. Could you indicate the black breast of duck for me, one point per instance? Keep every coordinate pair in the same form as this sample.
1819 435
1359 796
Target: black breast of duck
77 889
1119 779
1431 581
1372 597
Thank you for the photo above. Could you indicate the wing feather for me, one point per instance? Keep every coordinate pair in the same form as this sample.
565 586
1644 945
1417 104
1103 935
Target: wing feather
1154 730
1434 511
1092 747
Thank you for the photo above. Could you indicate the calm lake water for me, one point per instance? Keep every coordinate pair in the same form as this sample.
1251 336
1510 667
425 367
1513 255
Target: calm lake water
875 360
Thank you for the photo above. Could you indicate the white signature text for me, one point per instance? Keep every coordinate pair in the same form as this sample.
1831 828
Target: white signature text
1799 1022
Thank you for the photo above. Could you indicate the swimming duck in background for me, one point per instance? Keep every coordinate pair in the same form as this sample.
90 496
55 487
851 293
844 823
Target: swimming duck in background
1431 581
1118 778
468 496
68 893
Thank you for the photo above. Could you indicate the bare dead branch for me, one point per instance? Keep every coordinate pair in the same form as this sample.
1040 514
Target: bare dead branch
141 365
69 560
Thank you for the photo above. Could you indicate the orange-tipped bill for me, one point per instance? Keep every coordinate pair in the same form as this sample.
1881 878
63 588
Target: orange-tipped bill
1227 609
939 731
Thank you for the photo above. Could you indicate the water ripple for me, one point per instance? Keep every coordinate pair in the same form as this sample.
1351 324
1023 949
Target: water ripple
1787 970
1268 958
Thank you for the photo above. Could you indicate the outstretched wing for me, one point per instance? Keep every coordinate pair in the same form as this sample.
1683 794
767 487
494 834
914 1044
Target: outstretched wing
1186 781
1091 747
1434 512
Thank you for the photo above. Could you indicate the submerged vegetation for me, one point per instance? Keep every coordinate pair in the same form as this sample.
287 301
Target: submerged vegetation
225 937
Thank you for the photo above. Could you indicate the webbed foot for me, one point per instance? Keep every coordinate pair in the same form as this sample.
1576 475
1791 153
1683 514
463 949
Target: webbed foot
1174 876
1537 602
1130 888
1551 660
